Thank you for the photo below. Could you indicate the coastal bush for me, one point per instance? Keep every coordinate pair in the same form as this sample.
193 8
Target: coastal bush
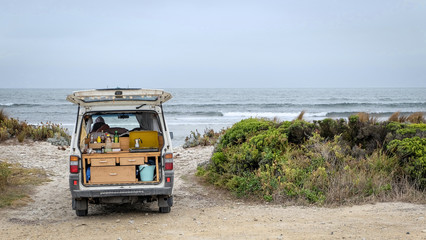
11 128
209 137
299 131
328 128
242 130
412 155
47 130
324 162
3 115
4 134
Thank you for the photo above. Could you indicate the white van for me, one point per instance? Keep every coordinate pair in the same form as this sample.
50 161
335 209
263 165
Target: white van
121 149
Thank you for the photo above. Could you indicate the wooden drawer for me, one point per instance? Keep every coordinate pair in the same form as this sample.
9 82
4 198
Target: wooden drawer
96 162
132 160
113 175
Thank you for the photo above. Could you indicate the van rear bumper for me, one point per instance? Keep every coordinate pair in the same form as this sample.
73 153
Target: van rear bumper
106 191
121 193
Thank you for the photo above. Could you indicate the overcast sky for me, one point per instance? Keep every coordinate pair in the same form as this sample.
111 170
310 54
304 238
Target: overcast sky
193 43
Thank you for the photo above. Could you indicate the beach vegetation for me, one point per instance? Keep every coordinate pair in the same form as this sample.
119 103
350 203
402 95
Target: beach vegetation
300 116
17 182
3 115
394 117
21 130
326 162
411 153
416 117
209 137
363 117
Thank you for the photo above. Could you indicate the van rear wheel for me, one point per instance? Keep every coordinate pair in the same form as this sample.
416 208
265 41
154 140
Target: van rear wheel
81 213
165 209
81 207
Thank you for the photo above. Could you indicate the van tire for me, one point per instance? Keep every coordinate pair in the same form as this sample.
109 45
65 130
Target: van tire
165 209
81 207
81 213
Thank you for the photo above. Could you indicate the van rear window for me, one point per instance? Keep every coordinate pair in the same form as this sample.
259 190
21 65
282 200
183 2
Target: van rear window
122 122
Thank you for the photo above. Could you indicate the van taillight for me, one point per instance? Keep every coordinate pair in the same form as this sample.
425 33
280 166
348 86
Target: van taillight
168 161
73 164
169 166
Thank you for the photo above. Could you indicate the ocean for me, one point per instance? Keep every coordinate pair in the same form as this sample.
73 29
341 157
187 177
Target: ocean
198 109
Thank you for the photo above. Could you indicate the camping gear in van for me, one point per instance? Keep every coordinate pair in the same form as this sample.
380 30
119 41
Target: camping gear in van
148 141
88 174
146 172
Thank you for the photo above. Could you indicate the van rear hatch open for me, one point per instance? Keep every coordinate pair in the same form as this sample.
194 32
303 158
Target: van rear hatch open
119 97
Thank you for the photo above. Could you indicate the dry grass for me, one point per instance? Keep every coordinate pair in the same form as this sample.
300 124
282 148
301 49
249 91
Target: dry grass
394 117
300 117
363 117
397 117
366 118
403 119
416 117
16 183
367 180
405 191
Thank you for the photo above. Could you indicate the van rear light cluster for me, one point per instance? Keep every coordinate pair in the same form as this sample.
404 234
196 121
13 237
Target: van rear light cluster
73 164
168 161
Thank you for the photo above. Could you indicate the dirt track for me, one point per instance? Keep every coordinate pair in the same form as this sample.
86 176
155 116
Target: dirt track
199 212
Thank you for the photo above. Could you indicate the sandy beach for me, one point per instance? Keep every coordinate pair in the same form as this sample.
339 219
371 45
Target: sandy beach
200 212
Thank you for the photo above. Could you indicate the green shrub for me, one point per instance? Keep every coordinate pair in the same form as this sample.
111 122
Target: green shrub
326 162
4 134
12 125
219 162
299 131
245 186
404 130
410 130
242 130
412 153
21 136
328 128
